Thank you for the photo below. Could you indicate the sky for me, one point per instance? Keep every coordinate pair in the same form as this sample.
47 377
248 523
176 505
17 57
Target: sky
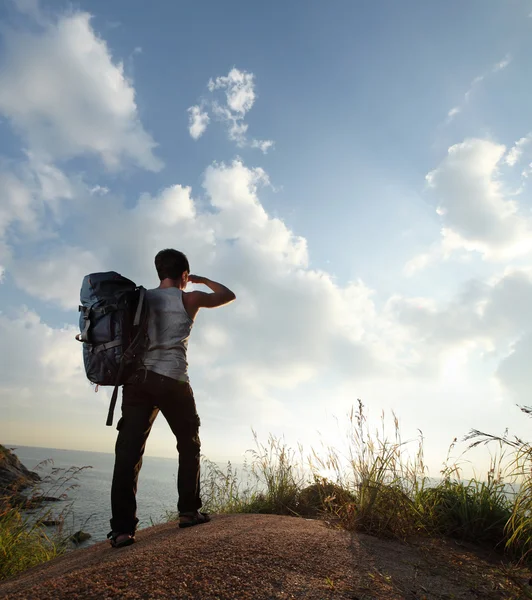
358 173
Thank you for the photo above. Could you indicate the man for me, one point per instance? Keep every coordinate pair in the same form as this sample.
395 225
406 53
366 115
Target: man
164 388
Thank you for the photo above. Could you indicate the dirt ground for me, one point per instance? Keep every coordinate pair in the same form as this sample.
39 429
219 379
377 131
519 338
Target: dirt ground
259 557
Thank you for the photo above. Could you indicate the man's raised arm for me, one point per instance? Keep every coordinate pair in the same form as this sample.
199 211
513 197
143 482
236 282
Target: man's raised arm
195 300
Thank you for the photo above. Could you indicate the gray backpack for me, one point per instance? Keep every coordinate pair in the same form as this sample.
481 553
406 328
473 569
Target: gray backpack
113 328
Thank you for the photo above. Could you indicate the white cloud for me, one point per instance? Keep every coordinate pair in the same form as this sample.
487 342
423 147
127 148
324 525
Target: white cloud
514 371
100 190
492 319
239 87
291 325
60 87
239 93
263 145
16 204
44 395
198 121
319 327
173 205
57 277
236 128
34 194
515 153
294 335
476 214
41 352
453 112
422 261
36 353
502 64
30 8
498 66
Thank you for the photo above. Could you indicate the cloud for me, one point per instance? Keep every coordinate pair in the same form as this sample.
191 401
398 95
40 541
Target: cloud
31 197
514 371
453 112
291 325
61 89
476 214
57 276
490 318
239 87
16 206
319 327
198 121
100 190
422 261
239 97
293 336
516 152
36 353
502 64
472 204
30 8
262 145
34 194
498 66
44 394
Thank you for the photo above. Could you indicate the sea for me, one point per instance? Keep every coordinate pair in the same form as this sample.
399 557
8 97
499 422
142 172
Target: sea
88 502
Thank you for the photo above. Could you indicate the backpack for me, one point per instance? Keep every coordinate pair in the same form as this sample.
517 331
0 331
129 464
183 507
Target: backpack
113 328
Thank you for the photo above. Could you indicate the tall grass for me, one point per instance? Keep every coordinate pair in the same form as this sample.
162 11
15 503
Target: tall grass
25 540
474 509
381 486
269 483
518 529
23 544
382 475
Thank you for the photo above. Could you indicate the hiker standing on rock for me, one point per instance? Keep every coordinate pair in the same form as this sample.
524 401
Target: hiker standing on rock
164 387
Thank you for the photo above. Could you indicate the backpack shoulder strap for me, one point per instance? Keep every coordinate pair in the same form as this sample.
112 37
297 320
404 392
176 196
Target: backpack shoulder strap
142 295
136 323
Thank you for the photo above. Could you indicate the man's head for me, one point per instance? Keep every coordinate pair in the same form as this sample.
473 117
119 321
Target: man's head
173 265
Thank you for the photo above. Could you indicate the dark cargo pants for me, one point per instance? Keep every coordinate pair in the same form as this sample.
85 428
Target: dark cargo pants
140 406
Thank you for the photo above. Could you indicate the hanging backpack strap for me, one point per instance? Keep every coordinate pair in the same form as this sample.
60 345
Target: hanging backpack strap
112 405
114 397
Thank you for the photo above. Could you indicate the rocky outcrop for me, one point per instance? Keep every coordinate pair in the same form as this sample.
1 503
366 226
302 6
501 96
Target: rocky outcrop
269 557
13 474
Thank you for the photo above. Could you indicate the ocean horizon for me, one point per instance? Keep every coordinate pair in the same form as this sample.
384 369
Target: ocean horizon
89 501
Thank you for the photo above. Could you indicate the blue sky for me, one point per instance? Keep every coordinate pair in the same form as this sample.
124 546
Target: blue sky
351 281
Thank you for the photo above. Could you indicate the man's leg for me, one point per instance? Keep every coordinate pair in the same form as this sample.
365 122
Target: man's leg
179 409
133 430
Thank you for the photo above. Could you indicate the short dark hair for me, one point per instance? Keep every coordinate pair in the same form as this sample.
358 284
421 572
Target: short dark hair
171 264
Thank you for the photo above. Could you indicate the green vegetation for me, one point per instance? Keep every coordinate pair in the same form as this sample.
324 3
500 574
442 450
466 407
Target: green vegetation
381 487
22 544
25 540
518 529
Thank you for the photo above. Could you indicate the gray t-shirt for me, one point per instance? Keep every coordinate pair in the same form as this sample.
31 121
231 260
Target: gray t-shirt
169 327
